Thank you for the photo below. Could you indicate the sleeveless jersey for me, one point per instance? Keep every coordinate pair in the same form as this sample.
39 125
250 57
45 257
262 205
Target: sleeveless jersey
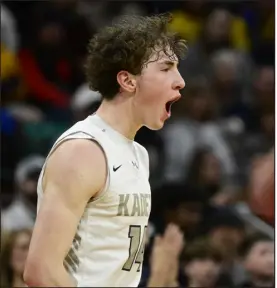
108 247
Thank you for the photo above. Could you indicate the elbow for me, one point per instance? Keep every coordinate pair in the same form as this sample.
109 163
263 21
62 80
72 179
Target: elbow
29 278
30 275
34 274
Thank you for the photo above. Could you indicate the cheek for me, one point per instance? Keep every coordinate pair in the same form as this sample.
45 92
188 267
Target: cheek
253 263
148 103
152 90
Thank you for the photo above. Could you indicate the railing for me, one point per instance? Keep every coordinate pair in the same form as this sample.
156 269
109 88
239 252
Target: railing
248 217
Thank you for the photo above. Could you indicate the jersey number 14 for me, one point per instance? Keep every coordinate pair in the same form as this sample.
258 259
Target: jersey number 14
136 249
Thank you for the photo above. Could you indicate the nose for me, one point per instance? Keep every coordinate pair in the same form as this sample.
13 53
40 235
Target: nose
179 83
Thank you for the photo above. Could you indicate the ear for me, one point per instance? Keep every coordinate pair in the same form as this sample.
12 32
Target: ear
126 81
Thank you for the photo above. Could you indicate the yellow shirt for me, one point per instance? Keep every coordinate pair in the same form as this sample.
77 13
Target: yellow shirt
9 63
190 27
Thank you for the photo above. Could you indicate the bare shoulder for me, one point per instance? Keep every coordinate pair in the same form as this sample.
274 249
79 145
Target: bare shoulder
76 164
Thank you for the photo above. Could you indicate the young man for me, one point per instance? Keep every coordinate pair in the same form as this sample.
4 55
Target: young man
202 264
94 196
257 253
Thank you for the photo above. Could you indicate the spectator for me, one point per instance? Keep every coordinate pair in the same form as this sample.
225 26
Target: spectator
84 102
172 203
218 33
53 61
258 138
261 187
164 259
44 67
131 8
12 88
263 100
216 146
22 211
231 80
11 153
205 174
264 88
226 232
257 253
259 16
9 33
96 13
201 264
13 256
25 113
188 20
191 128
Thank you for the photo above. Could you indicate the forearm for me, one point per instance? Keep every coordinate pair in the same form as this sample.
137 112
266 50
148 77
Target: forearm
54 277
157 280
165 275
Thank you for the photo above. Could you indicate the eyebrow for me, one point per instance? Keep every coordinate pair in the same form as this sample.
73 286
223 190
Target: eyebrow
170 63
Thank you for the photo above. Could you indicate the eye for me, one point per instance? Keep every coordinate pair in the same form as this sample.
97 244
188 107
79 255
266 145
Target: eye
165 70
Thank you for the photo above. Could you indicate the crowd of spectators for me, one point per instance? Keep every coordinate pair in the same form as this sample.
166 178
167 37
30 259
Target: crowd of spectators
204 165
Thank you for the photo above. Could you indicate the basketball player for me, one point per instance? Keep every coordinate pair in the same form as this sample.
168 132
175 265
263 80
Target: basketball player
94 196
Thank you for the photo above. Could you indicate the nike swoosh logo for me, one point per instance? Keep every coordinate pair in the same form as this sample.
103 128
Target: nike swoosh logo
116 168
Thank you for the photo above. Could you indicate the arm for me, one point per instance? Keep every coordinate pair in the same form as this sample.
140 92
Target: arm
165 258
75 172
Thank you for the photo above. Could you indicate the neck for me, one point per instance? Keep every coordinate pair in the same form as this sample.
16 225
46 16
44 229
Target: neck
119 114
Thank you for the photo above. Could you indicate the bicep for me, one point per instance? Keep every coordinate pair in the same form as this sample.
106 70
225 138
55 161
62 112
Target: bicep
54 230
74 173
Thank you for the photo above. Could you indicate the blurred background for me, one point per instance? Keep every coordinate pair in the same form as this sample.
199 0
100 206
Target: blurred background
212 166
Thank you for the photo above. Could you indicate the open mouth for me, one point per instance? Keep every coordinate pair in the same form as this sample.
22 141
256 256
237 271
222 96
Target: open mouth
169 104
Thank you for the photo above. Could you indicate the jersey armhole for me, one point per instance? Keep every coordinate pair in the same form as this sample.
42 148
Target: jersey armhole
105 188
73 136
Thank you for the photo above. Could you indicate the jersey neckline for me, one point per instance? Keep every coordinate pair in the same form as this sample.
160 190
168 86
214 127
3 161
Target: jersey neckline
106 127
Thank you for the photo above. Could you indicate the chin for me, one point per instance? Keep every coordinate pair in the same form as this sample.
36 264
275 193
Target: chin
155 126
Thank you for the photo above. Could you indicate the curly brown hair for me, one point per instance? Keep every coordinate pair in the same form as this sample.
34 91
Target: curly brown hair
128 45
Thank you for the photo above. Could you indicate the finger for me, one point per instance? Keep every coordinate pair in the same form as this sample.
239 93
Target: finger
173 233
169 230
157 240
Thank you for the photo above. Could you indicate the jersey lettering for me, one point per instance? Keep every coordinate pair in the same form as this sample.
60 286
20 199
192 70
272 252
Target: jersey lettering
136 249
134 205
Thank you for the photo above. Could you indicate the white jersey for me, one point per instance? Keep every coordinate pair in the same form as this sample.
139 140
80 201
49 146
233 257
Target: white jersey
108 247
